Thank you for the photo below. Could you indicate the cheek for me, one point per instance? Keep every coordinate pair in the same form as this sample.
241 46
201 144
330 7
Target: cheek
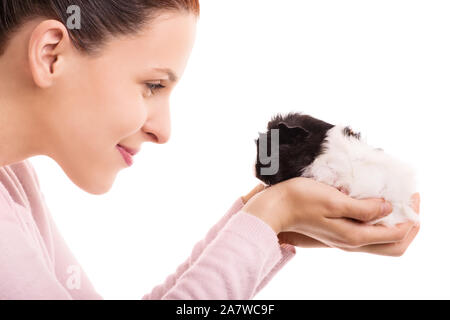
94 112
116 109
122 110
91 109
92 123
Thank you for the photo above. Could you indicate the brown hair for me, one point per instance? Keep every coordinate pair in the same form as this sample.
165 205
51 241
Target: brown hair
99 19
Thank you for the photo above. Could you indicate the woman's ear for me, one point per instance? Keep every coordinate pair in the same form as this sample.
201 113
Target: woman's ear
47 43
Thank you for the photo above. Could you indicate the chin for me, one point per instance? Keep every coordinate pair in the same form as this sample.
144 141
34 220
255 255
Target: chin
92 180
96 185
97 189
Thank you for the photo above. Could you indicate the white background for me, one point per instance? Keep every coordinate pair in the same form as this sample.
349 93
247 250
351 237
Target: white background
382 67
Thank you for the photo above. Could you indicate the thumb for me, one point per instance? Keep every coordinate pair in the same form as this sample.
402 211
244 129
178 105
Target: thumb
367 209
415 202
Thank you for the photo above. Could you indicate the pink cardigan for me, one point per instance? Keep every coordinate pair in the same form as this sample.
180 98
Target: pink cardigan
235 260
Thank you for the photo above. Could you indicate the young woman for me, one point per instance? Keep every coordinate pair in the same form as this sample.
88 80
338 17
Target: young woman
89 97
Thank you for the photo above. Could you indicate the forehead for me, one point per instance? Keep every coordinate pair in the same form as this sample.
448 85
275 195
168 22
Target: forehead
167 36
165 42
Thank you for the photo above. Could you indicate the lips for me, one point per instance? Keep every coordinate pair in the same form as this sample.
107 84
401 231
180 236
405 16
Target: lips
127 156
129 150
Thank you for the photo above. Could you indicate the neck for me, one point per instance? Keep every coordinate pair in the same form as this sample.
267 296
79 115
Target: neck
19 138
22 129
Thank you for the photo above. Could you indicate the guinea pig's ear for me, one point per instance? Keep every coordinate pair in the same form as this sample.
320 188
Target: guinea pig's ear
289 135
350 133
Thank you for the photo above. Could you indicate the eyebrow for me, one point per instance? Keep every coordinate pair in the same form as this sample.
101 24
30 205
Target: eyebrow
172 76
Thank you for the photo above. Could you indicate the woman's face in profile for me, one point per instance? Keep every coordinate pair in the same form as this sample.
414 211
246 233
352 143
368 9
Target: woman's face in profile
115 97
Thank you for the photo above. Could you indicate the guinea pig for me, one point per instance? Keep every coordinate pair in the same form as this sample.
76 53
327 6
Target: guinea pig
335 155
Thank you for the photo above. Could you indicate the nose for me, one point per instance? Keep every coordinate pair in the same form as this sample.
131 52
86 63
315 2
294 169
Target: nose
158 126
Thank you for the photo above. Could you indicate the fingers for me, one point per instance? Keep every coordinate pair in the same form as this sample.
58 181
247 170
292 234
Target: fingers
395 249
370 208
415 202
254 191
355 234
375 234
364 209
377 239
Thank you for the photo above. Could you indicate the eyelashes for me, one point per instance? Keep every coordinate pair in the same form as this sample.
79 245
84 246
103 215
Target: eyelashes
154 87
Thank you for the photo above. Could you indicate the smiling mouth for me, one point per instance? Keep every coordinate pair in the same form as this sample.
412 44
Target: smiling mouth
127 156
129 150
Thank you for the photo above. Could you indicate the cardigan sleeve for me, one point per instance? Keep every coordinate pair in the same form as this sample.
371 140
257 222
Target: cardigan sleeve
238 256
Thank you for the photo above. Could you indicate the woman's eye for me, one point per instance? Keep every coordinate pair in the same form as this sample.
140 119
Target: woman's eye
154 87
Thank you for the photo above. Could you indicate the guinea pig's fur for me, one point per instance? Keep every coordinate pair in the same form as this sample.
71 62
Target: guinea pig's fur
339 157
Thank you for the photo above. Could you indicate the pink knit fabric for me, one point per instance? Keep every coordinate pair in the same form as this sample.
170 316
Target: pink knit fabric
238 256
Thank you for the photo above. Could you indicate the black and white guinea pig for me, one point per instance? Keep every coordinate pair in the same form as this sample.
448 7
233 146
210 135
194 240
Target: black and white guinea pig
337 156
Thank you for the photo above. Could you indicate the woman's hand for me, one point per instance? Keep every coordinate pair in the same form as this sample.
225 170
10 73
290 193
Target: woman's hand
325 216
255 190
388 249
293 238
